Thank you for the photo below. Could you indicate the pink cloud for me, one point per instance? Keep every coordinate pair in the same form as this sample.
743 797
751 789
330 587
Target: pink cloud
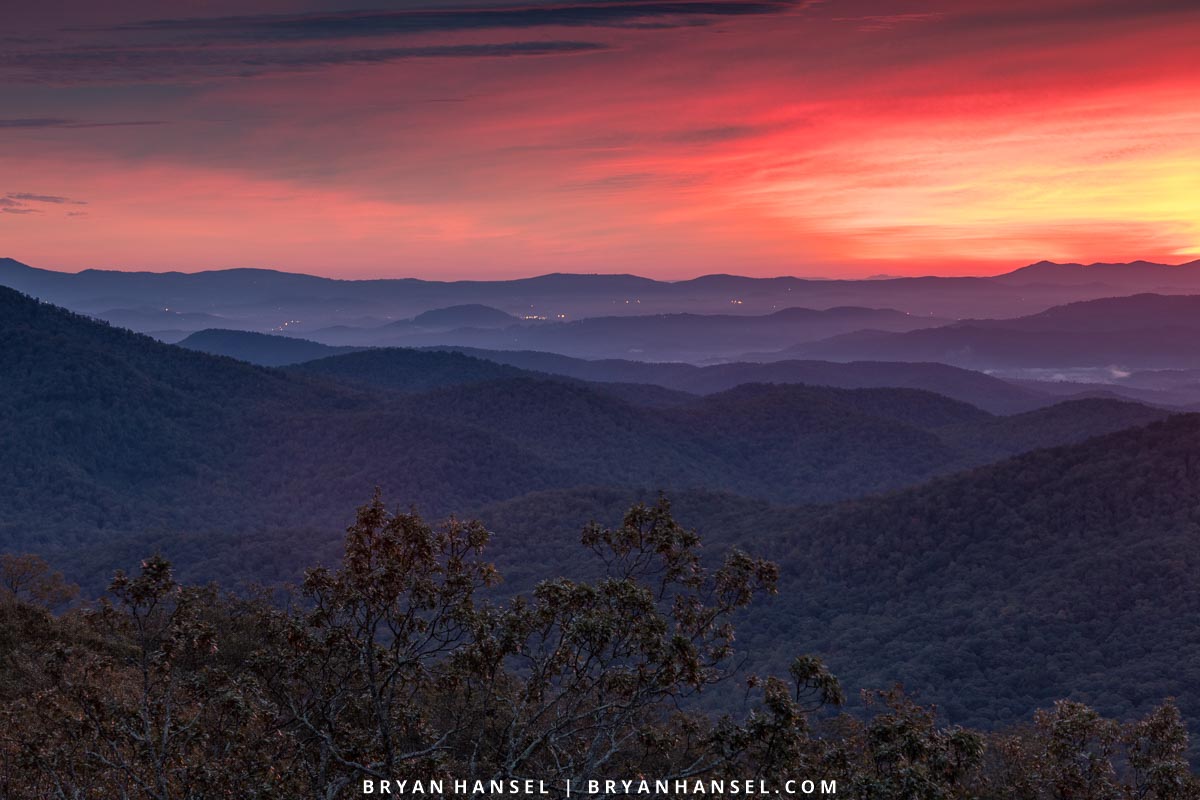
970 138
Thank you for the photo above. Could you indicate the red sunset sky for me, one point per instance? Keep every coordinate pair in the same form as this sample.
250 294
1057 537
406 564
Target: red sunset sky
669 139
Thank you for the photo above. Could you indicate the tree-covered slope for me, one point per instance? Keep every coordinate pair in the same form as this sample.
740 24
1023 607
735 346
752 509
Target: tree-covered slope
111 434
1070 571
260 348
106 432
406 369
1066 572
976 388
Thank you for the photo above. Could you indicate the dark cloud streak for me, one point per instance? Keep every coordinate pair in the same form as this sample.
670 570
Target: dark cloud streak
716 135
18 203
874 23
57 122
157 64
1073 15
43 198
206 48
308 27
35 122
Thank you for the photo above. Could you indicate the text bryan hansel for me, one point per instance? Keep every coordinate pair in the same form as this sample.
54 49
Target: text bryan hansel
592 787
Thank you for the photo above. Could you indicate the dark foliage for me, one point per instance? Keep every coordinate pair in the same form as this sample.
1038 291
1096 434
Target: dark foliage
1065 573
391 667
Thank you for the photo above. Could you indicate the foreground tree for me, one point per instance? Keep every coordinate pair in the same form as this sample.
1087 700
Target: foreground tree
403 664
354 674
1072 752
138 706
587 678
901 750
394 671
29 579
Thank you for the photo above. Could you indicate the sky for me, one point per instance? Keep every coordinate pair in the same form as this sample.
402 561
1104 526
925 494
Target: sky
667 138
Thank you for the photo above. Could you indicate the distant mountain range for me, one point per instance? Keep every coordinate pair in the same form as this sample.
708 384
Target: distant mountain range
122 434
991 394
1136 312
660 337
260 348
1144 331
1133 277
470 315
159 320
407 370
263 300
1173 389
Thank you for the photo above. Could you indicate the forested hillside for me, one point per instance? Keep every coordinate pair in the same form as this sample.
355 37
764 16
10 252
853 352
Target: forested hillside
401 368
1070 572
122 435
386 418
976 388
1064 572
392 668
259 348
119 434
406 370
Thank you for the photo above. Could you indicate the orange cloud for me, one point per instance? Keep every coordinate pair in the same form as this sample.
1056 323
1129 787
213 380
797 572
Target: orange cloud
800 140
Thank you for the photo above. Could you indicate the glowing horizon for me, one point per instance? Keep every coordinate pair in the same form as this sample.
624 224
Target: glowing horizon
664 139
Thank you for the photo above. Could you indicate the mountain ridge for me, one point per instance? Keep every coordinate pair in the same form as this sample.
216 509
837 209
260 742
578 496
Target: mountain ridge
259 291
1141 331
122 433
1063 572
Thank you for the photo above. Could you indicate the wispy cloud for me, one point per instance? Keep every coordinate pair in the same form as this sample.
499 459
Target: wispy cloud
294 27
552 134
1093 12
44 198
157 64
716 135
19 203
873 23
201 48
58 122
34 122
